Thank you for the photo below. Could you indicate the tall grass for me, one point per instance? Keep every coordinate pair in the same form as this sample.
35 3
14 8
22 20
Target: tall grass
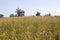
30 28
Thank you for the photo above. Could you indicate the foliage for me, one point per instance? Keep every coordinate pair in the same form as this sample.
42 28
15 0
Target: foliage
38 14
12 15
48 14
20 12
1 15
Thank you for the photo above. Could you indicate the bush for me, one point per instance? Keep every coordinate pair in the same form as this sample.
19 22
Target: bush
38 14
1 15
11 15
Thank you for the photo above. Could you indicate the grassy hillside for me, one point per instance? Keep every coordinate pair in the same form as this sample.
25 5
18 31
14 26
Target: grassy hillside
30 28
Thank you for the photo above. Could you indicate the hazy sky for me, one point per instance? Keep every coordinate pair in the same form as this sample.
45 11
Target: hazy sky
30 6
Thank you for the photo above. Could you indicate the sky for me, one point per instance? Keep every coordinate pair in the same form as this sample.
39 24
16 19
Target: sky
30 7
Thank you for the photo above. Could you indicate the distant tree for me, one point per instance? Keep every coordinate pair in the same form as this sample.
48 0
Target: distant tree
20 12
38 14
1 15
48 14
11 15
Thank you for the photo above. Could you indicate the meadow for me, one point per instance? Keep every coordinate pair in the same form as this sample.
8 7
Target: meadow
30 28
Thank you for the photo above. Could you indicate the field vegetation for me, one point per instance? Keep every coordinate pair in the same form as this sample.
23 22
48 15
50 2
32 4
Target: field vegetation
30 28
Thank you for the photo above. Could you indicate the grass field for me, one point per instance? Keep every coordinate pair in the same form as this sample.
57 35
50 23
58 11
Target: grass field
30 28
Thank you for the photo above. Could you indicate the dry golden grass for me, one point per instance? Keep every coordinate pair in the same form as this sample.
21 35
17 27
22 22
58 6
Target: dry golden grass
30 28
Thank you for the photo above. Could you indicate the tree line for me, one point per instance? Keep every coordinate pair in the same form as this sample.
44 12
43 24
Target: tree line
20 12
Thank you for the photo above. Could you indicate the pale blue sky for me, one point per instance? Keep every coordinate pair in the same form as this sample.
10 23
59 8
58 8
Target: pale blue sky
30 6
